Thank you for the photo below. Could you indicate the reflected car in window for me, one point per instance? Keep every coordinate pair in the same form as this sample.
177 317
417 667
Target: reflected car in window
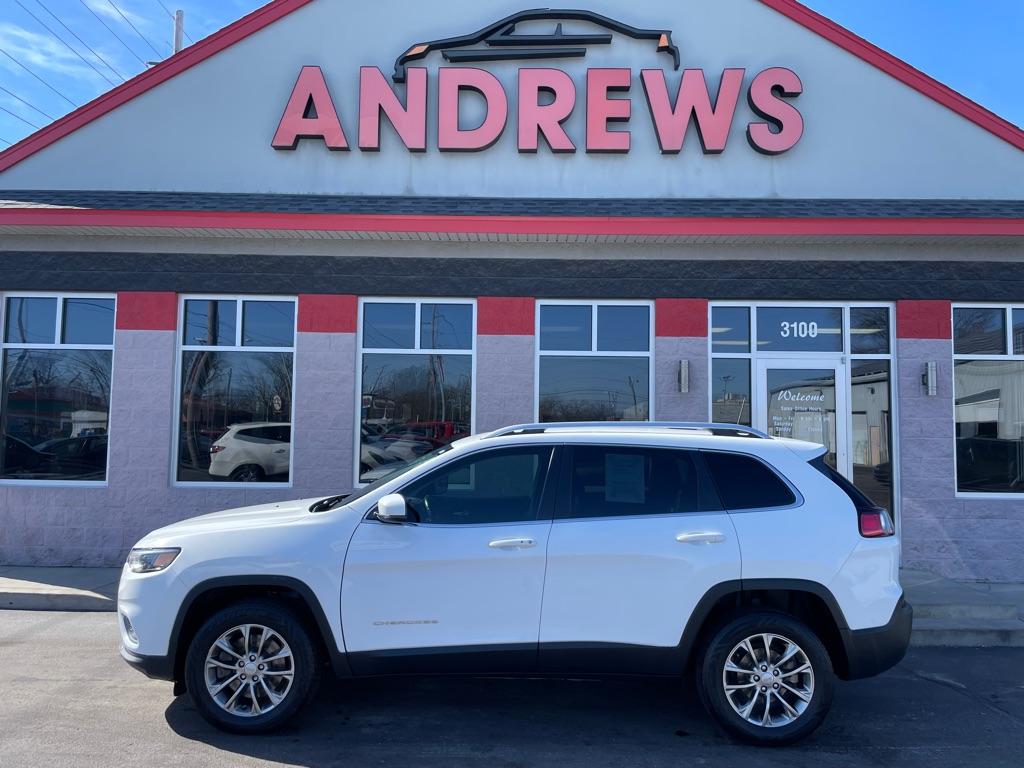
252 452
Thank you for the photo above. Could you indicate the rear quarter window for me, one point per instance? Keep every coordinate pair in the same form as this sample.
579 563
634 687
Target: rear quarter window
744 482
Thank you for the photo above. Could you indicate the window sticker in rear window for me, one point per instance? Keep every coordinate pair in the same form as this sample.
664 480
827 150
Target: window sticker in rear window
624 478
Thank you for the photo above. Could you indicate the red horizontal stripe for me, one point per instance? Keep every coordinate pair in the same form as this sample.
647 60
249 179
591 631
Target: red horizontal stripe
515 225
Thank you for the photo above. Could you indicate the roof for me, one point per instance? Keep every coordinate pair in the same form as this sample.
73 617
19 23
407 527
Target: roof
514 219
277 9
666 208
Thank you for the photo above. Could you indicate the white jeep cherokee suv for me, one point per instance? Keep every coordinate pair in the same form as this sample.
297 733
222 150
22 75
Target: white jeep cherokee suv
559 549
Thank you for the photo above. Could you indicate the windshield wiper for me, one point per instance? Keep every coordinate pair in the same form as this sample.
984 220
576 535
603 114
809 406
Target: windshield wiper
329 503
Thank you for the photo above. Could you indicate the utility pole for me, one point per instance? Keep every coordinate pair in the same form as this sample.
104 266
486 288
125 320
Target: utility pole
179 30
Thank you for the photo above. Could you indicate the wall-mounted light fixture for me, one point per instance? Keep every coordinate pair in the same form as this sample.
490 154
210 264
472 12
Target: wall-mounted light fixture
930 379
684 375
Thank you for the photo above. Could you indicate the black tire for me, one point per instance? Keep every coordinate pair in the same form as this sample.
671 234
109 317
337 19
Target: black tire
305 666
710 682
247 473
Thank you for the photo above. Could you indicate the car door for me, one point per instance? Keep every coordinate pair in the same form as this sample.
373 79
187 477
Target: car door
282 448
460 585
639 537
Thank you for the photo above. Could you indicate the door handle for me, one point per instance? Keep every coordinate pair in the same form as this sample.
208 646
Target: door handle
701 537
520 543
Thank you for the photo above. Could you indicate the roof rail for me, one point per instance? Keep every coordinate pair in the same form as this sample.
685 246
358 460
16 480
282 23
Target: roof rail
715 428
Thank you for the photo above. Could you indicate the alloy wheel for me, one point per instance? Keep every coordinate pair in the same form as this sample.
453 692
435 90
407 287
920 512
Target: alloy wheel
768 680
249 670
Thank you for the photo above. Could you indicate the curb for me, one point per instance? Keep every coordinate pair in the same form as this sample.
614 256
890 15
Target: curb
49 601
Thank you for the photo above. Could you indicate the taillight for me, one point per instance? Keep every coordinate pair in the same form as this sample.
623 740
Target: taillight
216 448
875 523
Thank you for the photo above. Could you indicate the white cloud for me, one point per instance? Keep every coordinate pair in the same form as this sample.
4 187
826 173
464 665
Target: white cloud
42 54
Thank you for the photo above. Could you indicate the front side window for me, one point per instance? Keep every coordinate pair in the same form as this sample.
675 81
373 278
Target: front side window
236 381
594 362
499 486
615 481
988 390
416 373
55 407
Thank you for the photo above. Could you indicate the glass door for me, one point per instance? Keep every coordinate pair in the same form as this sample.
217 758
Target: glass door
806 400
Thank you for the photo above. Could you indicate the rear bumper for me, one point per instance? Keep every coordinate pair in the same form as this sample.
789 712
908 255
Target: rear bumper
156 667
871 651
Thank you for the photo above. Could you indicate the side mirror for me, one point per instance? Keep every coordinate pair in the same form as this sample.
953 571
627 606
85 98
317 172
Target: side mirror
392 509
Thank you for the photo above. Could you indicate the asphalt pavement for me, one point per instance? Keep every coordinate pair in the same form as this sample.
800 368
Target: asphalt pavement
67 699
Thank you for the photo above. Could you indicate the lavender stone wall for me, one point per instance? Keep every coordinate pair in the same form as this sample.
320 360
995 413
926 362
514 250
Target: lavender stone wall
961 538
671 404
504 381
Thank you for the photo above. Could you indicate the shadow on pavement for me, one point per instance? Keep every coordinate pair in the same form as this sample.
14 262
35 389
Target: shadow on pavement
493 721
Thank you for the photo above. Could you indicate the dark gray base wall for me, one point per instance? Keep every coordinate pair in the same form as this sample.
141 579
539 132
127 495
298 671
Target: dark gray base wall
961 538
477 273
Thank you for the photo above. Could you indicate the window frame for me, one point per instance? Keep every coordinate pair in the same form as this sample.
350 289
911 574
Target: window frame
593 351
417 349
180 348
1008 309
61 297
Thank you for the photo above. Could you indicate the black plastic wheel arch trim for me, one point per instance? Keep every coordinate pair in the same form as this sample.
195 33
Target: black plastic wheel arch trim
339 662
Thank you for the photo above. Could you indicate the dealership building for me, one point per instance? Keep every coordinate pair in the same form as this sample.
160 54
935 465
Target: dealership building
334 236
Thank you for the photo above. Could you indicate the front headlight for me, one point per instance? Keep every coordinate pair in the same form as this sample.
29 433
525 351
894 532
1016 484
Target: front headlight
149 560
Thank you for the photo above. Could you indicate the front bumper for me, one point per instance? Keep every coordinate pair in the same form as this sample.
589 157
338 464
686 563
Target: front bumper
871 651
156 667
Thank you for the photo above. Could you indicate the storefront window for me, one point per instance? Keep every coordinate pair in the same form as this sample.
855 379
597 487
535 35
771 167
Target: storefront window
799 329
989 399
730 391
730 329
594 361
235 409
416 376
817 373
871 451
55 405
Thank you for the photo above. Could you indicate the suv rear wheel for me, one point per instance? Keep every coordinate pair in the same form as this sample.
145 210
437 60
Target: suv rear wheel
251 667
767 679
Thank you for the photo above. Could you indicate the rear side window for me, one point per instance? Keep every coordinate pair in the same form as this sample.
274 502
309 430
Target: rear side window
613 481
743 482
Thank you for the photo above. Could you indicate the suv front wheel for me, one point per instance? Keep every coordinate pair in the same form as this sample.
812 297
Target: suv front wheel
767 679
251 667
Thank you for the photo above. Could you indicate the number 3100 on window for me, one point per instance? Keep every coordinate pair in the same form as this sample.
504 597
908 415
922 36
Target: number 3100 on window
799 330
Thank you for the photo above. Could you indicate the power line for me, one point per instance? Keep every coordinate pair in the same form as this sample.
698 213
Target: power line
129 23
111 31
5 141
26 103
94 53
168 12
37 77
18 117
64 42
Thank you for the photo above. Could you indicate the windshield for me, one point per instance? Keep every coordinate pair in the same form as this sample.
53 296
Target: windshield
360 492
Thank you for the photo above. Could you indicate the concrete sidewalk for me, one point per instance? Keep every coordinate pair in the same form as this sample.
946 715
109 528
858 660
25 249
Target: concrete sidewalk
946 613
58 589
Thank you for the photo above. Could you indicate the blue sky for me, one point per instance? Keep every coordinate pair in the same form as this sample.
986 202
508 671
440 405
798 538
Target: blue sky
974 46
